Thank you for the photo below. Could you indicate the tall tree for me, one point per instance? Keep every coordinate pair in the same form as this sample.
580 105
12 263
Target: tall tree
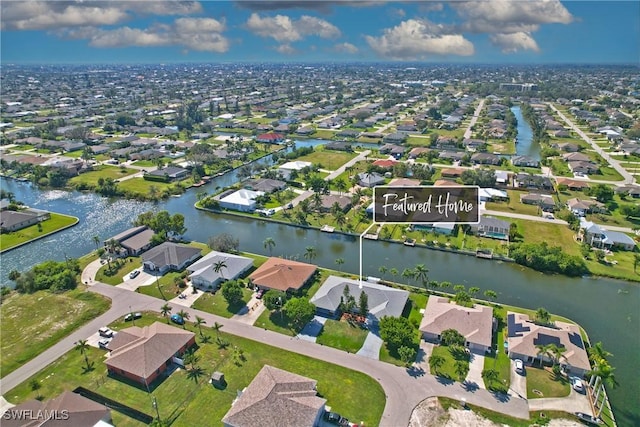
165 310
310 253
96 240
83 346
339 262
216 327
421 273
218 266
199 322
363 303
269 244
435 362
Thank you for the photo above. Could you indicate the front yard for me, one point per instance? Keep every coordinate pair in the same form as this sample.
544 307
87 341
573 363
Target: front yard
342 335
543 383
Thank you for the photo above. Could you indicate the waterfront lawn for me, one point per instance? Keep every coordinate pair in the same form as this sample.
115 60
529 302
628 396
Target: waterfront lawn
342 335
618 264
92 177
513 205
328 159
181 399
54 223
448 370
499 361
554 234
119 268
31 323
142 187
151 163
324 134
545 381
216 304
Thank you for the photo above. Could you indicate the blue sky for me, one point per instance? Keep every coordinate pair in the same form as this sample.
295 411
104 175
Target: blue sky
489 31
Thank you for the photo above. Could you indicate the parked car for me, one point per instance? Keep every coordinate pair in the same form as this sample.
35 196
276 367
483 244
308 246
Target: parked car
577 385
589 419
334 418
519 366
260 294
176 318
129 317
134 274
105 332
104 342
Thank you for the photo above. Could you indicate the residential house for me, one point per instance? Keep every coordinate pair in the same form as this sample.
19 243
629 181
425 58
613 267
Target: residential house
581 207
348 133
485 159
17 220
533 182
143 354
492 194
502 177
170 173
203 272
282 274
454 156
329 200
572 184
474 323
525 338
598 237
366 179
583 168
631 190
242 200
524 161
276 397
270 138
417 152
285 169
382 300
576 157
265 185
134 240
568 147
404 182
445 228
395 138
339 146
66 409
305 131
491 227
169 256
384 163
451 173
545 201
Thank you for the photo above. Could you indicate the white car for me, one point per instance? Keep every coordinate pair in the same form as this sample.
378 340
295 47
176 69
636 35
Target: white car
577 385
519 366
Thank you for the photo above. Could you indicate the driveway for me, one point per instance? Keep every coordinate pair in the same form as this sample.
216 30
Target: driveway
575 402
372 344
476 365
250 312
312 329
143 279
518 382
189 297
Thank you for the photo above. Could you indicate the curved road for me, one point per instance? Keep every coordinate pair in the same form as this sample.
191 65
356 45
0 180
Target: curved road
404 388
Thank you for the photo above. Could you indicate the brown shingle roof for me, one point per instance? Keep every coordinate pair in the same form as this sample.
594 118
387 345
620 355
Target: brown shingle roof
276 398
282 274
141 351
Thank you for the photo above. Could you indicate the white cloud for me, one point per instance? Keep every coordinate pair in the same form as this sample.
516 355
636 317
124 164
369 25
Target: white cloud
53 15
286 49
285 30
201 34
345 48
511 43
417 39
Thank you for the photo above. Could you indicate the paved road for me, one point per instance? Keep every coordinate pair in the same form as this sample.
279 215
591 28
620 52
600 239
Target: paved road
474 119
628 178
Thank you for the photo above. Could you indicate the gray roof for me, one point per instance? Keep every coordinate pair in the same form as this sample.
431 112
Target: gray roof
235 265
128 233
138 240
9 219
276 398
383 300
488 221
169 253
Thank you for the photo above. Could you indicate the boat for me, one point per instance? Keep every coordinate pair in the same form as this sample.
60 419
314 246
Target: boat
589 419
484 253
327 228
409 242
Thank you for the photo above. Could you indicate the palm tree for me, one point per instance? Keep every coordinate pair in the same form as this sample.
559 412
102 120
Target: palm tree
339 262
195 373
393 272
383 270
435 362
557 352
543 350
184 316
492 295
420 273
598 354
216 327
269 243
461 368
407 273
340 218
542 315
490 376
310 252
82 346
341 185
473 291
96 240
199 322
165 310
218 266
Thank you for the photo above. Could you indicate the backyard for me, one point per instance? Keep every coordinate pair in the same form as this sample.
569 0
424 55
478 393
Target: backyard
54 223
327 159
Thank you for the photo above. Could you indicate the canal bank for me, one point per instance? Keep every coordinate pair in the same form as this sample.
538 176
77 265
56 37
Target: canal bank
607 308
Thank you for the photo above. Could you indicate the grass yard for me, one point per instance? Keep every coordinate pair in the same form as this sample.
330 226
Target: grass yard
181 399
330 160
101 171
500 360
324 134
23 340
120 268
140 186
513 205
545 382
36 231
216 304
342 335
448 369
554 234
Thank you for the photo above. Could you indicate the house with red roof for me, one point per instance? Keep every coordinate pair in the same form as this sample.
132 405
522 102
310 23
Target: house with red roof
270 138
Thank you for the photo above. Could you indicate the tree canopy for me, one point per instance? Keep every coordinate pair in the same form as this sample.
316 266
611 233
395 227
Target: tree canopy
397 332
299 311
52 275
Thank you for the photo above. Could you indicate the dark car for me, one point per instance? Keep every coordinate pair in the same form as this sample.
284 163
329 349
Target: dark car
129 317
176 318
334 418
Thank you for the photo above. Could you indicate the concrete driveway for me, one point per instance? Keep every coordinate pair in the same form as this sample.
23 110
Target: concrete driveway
189 297
518 381
250 312
476 365
575 402
143 279
372 344
312 329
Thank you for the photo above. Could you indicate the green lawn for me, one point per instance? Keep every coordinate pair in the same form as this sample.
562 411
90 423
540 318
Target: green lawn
216 304
101 171
330 160
342 335
324 134
119 269
545 381
513 205
166 287
182 400
500 360
36 231
142 187
448 369
50 317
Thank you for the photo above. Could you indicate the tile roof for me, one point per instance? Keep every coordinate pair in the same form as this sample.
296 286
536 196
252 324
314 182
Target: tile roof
276 398
282 274
169 253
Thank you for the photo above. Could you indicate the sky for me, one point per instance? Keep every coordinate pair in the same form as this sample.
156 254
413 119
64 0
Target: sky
171 31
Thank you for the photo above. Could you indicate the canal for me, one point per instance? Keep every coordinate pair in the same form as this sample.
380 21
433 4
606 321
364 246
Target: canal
607 309
525 145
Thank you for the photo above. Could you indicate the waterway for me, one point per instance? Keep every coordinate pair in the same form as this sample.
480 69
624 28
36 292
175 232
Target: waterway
608 309
525 145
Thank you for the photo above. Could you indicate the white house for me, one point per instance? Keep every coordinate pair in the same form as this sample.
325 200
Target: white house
242 200
203 273
286 168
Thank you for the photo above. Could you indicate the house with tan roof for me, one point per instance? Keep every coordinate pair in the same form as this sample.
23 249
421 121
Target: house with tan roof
276 398
143 354
474 323
78 411
524 337
282 274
